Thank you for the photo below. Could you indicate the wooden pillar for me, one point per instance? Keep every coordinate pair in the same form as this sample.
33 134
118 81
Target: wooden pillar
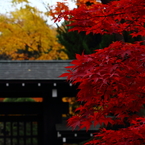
49 120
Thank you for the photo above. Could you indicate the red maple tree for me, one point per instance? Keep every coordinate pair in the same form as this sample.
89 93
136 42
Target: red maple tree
111 80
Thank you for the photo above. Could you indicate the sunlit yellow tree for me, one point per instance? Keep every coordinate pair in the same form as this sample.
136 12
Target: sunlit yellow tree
25 34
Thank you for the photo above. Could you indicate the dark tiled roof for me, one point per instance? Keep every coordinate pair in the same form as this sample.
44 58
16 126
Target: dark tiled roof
33 70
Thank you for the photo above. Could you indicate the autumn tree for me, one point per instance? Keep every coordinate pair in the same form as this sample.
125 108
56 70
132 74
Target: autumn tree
25 34
76 43
111 80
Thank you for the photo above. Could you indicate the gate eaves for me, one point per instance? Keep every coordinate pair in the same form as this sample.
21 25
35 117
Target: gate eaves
20 79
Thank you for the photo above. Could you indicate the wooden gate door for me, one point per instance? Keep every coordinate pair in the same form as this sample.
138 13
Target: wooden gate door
20 123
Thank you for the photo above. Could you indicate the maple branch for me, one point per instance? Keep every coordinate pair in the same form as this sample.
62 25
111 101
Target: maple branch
110 15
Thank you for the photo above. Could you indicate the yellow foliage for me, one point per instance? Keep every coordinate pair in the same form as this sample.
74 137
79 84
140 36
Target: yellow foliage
19 1
24 34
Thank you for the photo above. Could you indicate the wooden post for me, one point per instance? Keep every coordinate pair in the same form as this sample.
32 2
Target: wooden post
49 120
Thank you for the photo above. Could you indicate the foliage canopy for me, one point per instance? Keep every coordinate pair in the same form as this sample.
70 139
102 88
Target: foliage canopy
25 34
111 80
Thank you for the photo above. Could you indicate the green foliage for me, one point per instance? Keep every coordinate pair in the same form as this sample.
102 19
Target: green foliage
76 43
106 41
18 100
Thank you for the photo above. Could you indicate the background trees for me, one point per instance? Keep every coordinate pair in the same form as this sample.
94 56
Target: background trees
76 43
25 34
19 100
